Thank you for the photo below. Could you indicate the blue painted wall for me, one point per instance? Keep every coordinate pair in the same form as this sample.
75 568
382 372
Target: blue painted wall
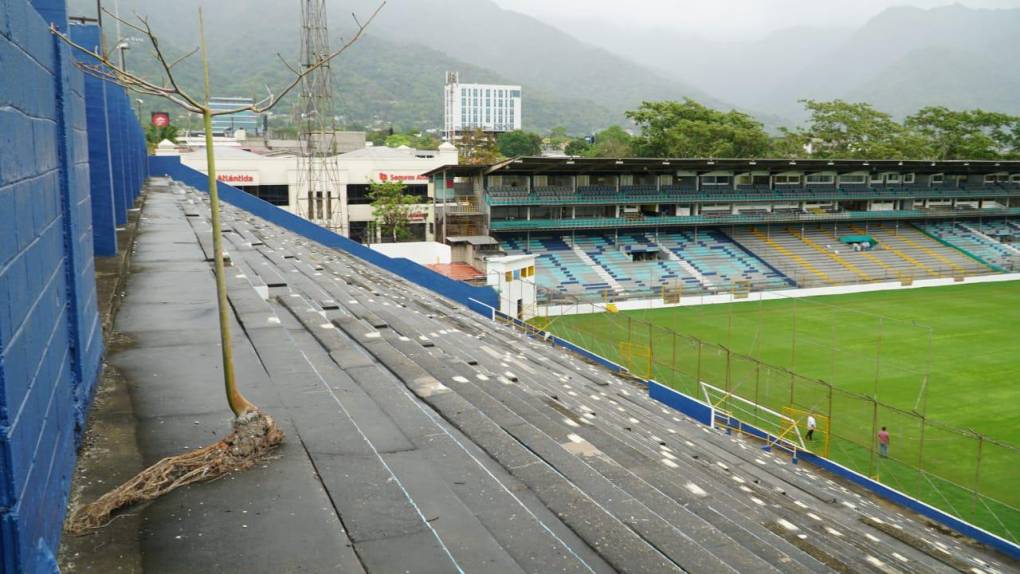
104 224
51 341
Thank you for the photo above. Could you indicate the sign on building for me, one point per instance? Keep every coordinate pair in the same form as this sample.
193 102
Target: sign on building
242 178
160 119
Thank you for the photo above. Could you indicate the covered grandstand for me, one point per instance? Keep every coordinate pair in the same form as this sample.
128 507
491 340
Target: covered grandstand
635 228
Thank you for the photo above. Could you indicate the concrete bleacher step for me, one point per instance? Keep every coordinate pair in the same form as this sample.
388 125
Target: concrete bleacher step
390 516
581 432
524 417
504 400
519 539
552 449
459 521
658 487
627 552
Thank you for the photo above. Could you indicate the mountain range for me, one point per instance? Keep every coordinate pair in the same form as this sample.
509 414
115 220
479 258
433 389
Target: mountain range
900 60
584 74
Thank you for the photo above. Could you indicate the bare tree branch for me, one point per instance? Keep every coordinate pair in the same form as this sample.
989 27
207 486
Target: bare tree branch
287 64
301 76
123 21
106 69
182 58
100 71
167 68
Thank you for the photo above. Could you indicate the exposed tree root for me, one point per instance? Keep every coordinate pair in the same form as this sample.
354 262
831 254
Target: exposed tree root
254 436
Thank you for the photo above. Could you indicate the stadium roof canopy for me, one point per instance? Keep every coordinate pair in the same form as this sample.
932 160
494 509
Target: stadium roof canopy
579 165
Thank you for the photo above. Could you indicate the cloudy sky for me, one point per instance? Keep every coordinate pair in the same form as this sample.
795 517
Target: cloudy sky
726 18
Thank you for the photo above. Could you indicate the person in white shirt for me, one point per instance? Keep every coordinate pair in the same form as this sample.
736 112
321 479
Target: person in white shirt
811 427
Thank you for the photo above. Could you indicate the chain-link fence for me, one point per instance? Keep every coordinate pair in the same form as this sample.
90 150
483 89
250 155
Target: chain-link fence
959 471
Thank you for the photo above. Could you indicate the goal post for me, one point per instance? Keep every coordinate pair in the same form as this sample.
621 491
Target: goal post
822 433
736 412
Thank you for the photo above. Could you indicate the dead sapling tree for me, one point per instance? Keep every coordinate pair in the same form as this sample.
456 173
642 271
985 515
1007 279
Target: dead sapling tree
254 432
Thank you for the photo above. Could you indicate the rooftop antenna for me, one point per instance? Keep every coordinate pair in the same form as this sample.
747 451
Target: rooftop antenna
452 85
319 194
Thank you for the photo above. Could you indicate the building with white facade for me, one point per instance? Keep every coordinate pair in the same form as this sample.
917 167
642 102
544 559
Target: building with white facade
275 179
491 108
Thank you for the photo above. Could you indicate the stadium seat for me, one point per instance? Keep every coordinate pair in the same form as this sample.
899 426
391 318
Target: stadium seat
980 240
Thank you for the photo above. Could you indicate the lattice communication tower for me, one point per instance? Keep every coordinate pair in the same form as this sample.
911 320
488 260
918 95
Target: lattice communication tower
319 183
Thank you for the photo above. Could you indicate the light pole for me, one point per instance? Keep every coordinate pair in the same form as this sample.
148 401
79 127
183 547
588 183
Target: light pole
121 46
138 105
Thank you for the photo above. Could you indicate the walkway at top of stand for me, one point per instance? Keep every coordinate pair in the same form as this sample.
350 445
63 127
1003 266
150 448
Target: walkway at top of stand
421 438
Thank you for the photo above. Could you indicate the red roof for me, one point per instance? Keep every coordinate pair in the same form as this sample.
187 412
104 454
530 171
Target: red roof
458 271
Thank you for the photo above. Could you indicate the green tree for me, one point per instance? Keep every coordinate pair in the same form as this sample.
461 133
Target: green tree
577 147
519 143
156 134
397 140
613 141
689 129
840 129
391 208
378 137
558 137
476 147
425 141
971 134
789 144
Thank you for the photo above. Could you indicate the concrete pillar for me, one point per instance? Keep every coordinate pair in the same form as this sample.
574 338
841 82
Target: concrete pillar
104 225
52 11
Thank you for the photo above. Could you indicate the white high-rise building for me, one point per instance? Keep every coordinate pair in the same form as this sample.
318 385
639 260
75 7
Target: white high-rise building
488 107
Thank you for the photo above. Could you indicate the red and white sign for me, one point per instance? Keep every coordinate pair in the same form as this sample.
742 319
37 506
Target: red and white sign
160 119
403 178
417 216
244 178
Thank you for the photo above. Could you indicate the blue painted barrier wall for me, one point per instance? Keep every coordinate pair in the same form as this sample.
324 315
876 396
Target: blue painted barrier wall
479 299
51 341
676 400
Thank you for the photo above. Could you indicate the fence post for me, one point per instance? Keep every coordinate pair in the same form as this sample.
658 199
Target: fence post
729 355
757 383
977 472
729 325
651 353
878 355
830 415
700 348
674 353
793 346
871 441
832 346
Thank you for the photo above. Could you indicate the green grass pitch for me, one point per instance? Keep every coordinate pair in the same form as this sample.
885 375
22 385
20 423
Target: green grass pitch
952 352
